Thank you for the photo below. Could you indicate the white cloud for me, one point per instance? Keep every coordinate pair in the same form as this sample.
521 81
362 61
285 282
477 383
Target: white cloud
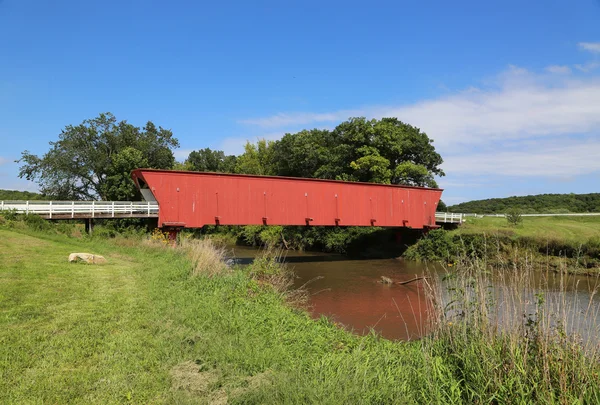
588 67
182 154
520 105
3 161
593 47
557 159
558 69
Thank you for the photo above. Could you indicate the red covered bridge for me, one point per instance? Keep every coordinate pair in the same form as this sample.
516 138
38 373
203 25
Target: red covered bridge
193 199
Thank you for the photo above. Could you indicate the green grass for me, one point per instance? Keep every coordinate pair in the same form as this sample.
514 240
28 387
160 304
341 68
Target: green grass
79 333
571 229
115 333
153 327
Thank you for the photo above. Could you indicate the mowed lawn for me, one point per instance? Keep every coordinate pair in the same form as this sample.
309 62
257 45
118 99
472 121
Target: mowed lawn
572 229
80 333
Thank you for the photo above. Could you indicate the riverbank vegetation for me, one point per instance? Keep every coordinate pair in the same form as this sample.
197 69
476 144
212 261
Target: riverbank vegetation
549 240
164 325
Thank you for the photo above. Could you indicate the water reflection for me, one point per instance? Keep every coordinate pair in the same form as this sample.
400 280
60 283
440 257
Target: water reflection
350 293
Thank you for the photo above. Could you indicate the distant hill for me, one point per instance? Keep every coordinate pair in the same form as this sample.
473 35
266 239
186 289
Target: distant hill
19 195
533 204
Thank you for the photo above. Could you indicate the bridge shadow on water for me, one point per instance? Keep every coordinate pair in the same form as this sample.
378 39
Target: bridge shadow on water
382 244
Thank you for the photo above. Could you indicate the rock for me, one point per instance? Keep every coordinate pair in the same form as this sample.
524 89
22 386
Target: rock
87 258
386 280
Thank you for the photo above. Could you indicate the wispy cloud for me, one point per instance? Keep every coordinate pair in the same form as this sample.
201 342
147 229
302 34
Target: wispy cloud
559 69
286 120
3 161
593 47
587 67
519 105
556 159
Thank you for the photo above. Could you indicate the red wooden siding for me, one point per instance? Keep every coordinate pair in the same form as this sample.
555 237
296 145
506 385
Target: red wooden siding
193 199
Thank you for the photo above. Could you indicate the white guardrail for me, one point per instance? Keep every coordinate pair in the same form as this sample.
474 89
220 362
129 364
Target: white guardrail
81 208
449 217
580 214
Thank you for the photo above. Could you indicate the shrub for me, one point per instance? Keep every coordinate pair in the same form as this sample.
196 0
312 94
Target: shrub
11 215
37 223
514 216
437 245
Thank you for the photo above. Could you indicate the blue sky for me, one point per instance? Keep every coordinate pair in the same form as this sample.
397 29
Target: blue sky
509 91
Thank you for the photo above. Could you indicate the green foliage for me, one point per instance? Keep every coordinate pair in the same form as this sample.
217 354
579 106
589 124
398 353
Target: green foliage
10 215
514 216
385 151
533 204
437 245
256 159
8 195
93 160
207 160
36 222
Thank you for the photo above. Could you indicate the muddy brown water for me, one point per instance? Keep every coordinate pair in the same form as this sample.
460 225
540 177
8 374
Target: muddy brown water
349 292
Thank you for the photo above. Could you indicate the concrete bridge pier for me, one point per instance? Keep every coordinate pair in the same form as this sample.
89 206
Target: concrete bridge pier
89 225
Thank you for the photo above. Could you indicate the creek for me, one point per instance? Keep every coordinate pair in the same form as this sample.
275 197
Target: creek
350 292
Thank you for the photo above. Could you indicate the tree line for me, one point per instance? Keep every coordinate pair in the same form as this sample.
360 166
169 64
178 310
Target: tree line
8 195
533 204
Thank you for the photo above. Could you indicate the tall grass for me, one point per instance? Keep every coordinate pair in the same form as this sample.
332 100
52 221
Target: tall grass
514 335
207 257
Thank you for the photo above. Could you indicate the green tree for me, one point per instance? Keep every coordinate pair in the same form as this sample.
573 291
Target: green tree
514 216
385 151
256 159
207 160
93 160
300 154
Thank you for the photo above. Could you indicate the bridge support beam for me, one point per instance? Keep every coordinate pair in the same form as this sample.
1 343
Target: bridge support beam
173 233
89 225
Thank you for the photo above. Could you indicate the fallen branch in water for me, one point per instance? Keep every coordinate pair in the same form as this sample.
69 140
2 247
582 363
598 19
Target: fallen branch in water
387 280
411 280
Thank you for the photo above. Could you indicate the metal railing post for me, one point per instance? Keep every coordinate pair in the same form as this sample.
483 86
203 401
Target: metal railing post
50 209
131 208
93 206
72 209
2 207
113 209
27 207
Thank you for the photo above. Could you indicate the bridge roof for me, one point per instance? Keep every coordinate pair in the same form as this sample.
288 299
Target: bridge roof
138 173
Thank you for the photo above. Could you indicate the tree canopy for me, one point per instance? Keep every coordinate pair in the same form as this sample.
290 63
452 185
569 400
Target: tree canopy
207 160
385 151
93 160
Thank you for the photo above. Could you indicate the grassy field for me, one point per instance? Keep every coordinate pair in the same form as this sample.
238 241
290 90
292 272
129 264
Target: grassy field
572 229
161 325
